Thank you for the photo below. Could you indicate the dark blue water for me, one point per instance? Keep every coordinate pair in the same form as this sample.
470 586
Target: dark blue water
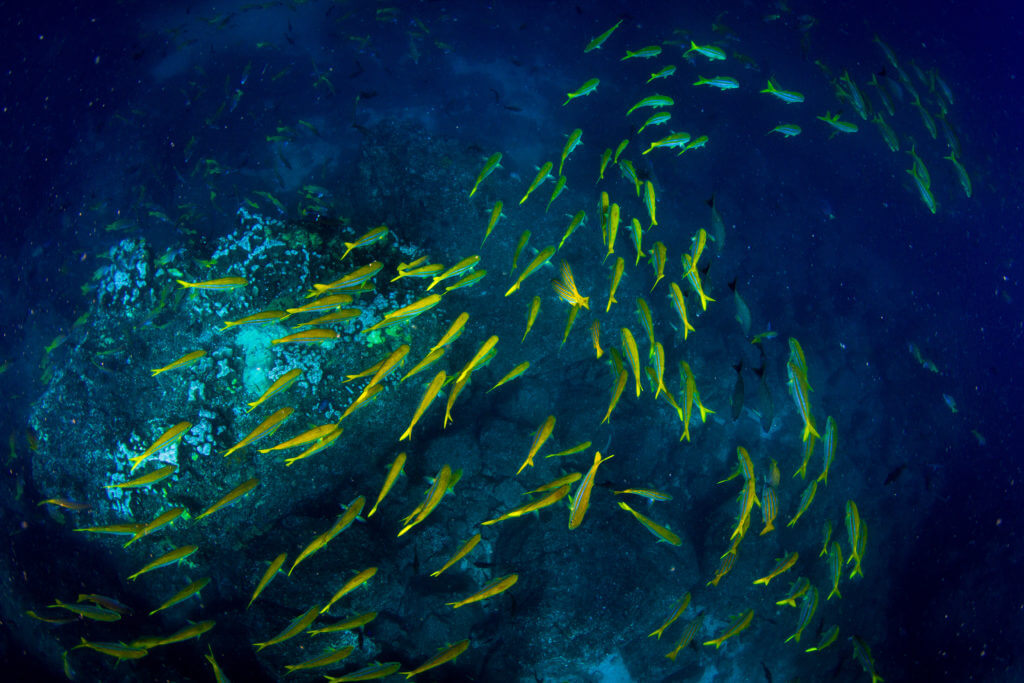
125 122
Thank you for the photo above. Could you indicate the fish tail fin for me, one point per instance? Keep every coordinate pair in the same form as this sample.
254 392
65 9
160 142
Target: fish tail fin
184 285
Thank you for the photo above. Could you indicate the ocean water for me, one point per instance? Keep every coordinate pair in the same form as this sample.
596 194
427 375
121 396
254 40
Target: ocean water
151 144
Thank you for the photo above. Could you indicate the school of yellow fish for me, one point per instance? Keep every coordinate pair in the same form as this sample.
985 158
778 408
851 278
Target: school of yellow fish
684 297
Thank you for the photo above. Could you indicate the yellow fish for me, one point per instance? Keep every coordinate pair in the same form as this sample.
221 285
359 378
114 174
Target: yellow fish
620 265
407 312
452 396
279 385
464 550
172 435
458 269
493 162
454 331
324 441
649 202
347 625
343 522
393 471
689 633
117 650
223 283
323 304
340 315
566 288
512 374
432 500
581 499
305 437
679 304
612 229
542 435
578 448
371 237
620 384
146 479
542 257
314 336
494 588
184 594
531 316
326 659
676 613
663 533
632 355
350 585
392 361
783 565
427 361
738 626
233 495
534 505
565 480
354 279
496 215
543 173
796 590
256 319
367 673
183 362
270 573
170 557
478 358
447 655
265 428
297 626
428 397
800 391
596 42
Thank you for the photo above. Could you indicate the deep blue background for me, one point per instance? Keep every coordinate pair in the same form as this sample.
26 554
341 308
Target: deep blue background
951 282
